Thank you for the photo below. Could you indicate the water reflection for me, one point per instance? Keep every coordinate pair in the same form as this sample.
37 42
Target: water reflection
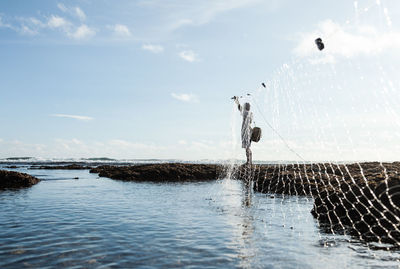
241 218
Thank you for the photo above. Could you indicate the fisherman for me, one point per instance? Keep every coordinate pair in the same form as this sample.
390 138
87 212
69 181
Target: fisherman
246 128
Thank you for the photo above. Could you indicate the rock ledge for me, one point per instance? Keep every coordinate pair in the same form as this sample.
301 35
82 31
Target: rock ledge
164 172
15 180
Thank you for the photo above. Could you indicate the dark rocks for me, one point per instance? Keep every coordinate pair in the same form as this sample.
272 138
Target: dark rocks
62 167
166 172
14 180
369 211
18 158
312 179
360 199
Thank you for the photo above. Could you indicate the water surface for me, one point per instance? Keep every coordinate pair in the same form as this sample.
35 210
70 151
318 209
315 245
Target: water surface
94 222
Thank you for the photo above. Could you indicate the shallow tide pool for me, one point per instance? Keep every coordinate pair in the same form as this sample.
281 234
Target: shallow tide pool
94 222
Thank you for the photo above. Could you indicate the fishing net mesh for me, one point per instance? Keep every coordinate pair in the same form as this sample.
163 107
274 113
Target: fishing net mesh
337 116
361 200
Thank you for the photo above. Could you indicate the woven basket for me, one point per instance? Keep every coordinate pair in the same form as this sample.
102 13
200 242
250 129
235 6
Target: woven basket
256 134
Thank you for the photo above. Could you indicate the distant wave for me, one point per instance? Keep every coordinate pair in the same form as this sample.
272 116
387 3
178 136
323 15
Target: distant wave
18 158
99 159
96 161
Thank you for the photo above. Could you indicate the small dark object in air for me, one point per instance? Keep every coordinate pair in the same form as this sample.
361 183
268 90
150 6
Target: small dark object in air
319 43
263 84
256 134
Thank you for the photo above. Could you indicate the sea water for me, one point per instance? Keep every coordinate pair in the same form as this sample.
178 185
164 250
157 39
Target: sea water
93 222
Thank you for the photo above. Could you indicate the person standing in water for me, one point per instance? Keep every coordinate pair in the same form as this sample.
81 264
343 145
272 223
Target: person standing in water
246 128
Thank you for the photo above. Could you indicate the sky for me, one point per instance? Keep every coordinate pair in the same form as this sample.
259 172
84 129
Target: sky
153 78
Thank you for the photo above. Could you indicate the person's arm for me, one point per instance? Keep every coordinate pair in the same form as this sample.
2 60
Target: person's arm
237 102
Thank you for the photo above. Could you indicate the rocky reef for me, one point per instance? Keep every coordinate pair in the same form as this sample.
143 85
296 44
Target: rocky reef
62 167
362 199
15 180
165 172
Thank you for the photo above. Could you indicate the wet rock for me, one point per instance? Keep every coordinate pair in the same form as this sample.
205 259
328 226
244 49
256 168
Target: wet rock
166 172
13 180
362 199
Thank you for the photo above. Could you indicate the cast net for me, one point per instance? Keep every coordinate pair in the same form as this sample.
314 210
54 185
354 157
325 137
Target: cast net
331 128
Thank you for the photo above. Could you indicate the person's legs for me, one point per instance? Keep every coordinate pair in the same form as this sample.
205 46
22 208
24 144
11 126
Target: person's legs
249 156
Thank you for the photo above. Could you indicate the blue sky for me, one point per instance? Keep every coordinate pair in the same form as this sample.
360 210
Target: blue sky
153 79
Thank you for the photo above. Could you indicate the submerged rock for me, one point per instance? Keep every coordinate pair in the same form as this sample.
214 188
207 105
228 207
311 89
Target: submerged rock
13 180
164 172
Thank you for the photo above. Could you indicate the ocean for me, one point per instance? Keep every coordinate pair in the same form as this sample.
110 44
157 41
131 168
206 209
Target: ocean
76 219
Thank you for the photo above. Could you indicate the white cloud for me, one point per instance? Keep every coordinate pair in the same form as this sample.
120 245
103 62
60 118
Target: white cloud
27 25
25 30
185 97
35 21
77 141
74 11
189 55
57 22
200 146
183 13
18 148
212 10
65 147
345 41
77 148
127 145
2 24
129 148
32 26
120 142
153 48
79 12
62 7
121 30
180 23
82 32
76 117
